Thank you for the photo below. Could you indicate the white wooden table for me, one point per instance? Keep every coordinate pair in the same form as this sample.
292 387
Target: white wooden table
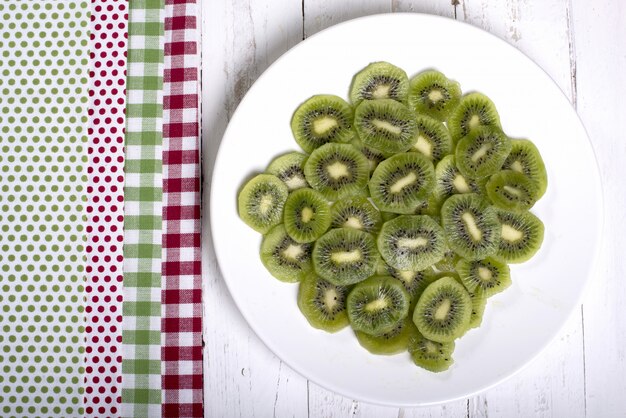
581 44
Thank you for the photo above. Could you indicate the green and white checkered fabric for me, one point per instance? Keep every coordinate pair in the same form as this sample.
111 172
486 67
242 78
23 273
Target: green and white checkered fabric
141 334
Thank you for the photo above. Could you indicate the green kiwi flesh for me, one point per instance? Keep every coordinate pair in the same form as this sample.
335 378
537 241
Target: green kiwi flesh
322 119
431 93
433 139
323 304
474 110
379 80
443 311
525 158
345 256
512 191
414 282
411 242
489 275
357 213
290 169
430 355
393 342
377 305
286 259
402 183
520 238
482 152
337 171
260 202
385 125
373 156
306 215
479 303
471 226
449 180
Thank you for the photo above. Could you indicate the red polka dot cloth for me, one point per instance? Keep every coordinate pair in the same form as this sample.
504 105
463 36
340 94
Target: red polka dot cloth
105 220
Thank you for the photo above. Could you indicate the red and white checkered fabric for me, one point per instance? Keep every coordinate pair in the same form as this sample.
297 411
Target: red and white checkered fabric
181 324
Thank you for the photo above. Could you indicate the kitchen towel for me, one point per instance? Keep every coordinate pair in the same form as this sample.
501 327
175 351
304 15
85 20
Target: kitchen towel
141 323
105 215
43 178
182 285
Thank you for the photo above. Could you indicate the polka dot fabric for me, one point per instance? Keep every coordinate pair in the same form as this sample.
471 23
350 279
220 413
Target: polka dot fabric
105 211
43 155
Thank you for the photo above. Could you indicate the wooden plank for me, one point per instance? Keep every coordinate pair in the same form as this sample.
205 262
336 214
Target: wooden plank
242 378
433 7
599 55
321 14
553 385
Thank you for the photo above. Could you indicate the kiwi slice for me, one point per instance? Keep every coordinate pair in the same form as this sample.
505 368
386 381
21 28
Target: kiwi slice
392 342
345 256
448 261
284 258
290 169
433 139
525 158
474 110
379 80
430 355
401 183
449 180
357 213
512 191
387 216
431 206
411 242
261 201
307 215
377 305
337 171
323 304
385 125
443 311
414 282
321 119
521 236
374 157
482 152
432 93
471 226
488 275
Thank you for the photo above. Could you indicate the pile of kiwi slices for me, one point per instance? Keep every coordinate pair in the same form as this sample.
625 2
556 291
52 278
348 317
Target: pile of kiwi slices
402 213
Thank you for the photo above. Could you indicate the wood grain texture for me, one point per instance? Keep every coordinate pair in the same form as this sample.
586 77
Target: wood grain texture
583 372
600 59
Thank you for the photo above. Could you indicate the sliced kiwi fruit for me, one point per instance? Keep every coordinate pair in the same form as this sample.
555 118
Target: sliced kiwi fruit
474 110
385 125
449 180
290 169
430 355
321 119
520 238
401 183
448 261
432 93
374 156
393 342
431 206
260 202
525 158
337 171
433 139
377 305
443 311
471 226
284 258
379 80
306 215
479 303
414 282
411 242
345 256
323 304
357 213
488 275
511 190
482 152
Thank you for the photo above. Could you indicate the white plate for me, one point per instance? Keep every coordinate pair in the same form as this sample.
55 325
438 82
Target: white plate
519 322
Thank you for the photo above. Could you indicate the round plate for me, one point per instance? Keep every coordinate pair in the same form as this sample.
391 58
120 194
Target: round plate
518 322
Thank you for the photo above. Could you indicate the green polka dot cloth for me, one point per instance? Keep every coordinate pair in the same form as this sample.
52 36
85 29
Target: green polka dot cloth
43 155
